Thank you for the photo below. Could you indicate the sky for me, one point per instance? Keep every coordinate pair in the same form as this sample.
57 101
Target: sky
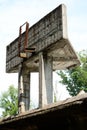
14 13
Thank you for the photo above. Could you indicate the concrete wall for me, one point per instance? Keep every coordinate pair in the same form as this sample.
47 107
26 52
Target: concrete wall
44 33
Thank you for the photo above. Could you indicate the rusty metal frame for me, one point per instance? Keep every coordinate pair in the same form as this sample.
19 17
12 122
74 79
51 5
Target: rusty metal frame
20 37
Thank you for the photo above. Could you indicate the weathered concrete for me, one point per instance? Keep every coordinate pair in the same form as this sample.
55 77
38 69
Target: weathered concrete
21 104
23 89
48 35
52 51
70 114
45 80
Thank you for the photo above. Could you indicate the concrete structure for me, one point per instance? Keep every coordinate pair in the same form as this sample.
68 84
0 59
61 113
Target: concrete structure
53 51
70 114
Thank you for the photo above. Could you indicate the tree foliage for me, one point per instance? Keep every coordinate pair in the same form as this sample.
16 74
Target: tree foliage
76 79
9 102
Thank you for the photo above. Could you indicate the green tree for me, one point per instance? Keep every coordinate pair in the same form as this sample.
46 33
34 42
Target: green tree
9 101
75 79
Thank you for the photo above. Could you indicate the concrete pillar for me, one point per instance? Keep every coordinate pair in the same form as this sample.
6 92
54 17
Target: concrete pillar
21 106
26 84
45 80
23 89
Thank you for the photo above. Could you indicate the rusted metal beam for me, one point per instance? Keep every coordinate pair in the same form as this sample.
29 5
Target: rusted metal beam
23 53
20 38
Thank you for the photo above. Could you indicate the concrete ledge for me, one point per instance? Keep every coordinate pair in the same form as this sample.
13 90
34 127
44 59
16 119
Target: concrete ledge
48 35
58 113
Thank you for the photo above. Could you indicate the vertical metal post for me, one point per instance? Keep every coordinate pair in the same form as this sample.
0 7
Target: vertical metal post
20 38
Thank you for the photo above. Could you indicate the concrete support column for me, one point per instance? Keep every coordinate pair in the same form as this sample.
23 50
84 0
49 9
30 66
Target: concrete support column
26 84
21 105
23 89
45 80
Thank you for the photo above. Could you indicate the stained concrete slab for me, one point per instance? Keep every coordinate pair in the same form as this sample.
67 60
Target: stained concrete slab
49 35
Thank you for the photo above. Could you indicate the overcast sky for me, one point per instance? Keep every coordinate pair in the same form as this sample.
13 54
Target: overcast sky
14 13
